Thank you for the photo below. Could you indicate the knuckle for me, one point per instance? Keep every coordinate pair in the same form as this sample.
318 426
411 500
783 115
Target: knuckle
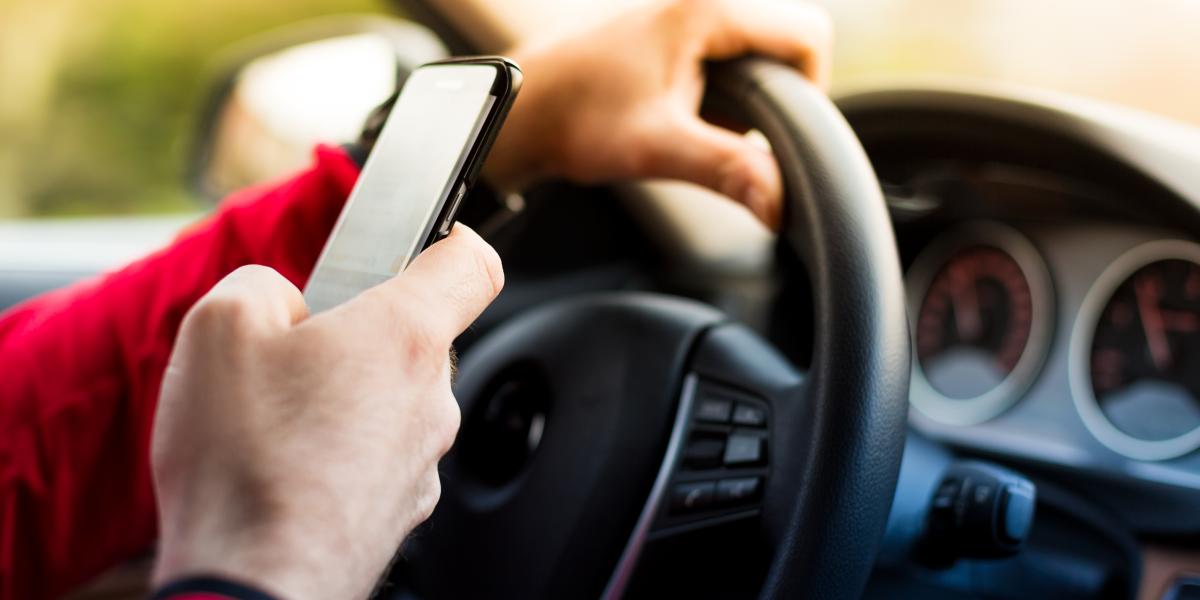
667 8
688 7
695 15
225 313
256 272
668 16
228 307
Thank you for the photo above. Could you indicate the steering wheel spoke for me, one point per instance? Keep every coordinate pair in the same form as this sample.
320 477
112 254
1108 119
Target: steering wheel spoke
717 467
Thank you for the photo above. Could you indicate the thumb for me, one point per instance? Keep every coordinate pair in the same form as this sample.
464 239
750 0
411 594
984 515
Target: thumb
445 288
693 150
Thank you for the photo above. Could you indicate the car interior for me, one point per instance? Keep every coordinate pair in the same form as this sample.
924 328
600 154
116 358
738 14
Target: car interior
967 367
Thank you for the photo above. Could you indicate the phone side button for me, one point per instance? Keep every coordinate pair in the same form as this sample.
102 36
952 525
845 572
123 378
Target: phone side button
458 197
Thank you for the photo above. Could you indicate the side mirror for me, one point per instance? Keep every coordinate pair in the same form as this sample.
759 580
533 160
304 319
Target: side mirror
281 93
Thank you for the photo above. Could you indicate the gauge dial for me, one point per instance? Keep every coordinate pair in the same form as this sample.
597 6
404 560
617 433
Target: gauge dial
980 327
1143 359
974 323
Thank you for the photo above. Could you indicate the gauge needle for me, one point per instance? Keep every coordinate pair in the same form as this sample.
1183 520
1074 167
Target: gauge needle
1146 289
966 306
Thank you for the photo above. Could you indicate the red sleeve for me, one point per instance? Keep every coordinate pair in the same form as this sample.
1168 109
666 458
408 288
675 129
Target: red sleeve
80 370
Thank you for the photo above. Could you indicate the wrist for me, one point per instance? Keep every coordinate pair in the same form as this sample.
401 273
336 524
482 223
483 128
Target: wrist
269 558
206 587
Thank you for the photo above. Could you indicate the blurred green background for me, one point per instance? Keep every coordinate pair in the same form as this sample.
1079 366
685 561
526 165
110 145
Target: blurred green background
98 98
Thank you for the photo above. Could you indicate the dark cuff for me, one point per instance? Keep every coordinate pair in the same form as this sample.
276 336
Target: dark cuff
207 586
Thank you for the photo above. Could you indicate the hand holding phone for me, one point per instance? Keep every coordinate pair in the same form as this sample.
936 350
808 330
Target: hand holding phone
428 154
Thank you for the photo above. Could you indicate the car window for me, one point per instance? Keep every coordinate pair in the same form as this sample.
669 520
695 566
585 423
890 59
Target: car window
100 97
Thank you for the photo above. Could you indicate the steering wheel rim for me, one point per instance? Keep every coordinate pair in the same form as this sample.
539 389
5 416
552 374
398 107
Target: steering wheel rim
832 473
838 224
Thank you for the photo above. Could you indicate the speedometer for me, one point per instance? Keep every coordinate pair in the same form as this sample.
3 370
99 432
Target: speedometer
982 301
1136 373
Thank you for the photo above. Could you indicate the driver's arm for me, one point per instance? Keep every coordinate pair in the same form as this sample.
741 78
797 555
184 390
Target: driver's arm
295 453
82 366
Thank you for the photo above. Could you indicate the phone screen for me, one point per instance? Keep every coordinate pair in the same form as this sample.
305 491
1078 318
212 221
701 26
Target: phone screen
405 182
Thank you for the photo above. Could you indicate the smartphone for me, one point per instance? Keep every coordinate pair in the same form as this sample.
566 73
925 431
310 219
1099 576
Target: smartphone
427 156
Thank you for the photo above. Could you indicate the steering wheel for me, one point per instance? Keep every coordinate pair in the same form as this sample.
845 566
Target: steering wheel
599 431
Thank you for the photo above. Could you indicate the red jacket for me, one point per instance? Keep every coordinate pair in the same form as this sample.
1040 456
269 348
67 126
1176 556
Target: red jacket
80 370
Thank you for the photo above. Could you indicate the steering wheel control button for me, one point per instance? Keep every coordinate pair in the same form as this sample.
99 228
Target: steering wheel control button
749 415
714 410
738 491
980 511
691 497
704 451
744 449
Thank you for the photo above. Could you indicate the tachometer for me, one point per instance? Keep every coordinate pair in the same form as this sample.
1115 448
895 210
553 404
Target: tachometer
983 309
1136 376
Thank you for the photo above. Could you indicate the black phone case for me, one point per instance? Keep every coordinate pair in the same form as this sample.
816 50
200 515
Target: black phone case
508 83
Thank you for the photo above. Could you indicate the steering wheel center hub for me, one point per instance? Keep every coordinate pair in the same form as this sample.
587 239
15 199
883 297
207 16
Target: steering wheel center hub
505 429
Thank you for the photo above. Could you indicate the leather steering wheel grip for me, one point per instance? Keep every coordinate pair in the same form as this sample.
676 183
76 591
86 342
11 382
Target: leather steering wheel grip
836 474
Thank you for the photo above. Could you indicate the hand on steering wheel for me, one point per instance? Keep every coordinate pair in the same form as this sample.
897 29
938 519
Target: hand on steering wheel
620 100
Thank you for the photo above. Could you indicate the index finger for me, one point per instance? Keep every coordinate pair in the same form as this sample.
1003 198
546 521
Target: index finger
253 297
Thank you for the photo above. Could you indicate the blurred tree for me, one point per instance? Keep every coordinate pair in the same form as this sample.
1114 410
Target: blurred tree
100 96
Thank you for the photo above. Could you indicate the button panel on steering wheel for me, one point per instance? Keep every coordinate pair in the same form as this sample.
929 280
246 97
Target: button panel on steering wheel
723 466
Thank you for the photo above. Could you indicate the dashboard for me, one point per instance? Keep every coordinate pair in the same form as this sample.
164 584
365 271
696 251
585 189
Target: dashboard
1052 271
1053 278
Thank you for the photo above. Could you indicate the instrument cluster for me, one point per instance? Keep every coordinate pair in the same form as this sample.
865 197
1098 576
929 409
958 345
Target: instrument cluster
985 317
